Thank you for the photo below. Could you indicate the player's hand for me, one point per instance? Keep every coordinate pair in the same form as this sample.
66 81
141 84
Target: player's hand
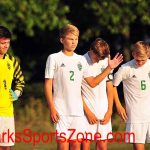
54 115
115 61
106 118
12 95
92 119
122 113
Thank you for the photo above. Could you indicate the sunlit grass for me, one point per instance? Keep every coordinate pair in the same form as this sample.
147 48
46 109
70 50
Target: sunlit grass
34 117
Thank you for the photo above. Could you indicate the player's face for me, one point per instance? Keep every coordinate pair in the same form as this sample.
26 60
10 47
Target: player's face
140 61
70 42
4 45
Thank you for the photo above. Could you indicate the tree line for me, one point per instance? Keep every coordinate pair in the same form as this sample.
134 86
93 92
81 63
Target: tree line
35 26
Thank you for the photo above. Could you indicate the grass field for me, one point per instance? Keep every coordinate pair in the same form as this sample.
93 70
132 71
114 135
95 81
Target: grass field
34 117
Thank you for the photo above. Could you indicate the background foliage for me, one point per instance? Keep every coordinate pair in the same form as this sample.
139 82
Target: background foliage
35 25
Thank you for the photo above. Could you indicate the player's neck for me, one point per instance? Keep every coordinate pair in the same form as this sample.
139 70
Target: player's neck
68 53
1 56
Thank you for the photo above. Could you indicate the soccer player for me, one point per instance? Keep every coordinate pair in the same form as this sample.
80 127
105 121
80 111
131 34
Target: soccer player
135 76
64 72
11 87
98 101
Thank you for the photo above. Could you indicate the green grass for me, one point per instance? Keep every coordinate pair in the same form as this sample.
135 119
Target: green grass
35 116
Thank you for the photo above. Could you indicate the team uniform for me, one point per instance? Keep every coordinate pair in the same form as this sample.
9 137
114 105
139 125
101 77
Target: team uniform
136 87
96 99
67 73
11 77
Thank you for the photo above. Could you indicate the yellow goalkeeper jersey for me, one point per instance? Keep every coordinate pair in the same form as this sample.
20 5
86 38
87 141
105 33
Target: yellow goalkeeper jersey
11 77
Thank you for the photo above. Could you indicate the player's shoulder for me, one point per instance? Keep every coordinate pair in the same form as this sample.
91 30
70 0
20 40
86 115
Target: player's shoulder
87 58
80 57
81 60
54 55
9 57
127 67
105 61
86 55
129 64
148 61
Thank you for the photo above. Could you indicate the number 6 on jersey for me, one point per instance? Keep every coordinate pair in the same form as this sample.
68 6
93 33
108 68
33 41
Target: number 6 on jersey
143 85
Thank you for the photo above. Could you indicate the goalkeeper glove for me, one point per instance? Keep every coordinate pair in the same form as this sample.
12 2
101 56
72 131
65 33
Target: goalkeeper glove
13 95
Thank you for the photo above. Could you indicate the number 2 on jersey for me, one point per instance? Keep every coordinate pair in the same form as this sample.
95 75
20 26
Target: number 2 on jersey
143 85
72 75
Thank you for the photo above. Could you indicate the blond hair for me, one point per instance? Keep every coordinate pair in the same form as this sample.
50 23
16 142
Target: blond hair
148 49
141 49
69 28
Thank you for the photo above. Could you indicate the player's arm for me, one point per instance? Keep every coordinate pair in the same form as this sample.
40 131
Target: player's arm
94 81
121 111
49 97
92 119
49 74
18 82
119 76
109 88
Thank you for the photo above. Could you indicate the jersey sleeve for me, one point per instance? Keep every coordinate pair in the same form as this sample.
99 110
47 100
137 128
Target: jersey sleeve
86 71
119 76
110 75
18 78
50 67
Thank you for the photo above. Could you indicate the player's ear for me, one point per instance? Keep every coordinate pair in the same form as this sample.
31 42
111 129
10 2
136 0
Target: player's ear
133 54
61 40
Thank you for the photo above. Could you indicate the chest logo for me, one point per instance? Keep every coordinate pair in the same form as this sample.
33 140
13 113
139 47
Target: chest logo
62 65
79 66
5 85
134 76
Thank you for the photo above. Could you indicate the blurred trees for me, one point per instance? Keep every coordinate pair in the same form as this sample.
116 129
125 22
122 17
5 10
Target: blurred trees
114 16
123 20
35 25
28 15
31 22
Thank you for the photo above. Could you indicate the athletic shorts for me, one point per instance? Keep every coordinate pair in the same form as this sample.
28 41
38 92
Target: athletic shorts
137 133
70 127
98 131
7 131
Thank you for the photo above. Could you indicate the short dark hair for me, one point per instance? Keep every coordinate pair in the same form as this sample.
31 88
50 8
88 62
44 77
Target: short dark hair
4 32
100 48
